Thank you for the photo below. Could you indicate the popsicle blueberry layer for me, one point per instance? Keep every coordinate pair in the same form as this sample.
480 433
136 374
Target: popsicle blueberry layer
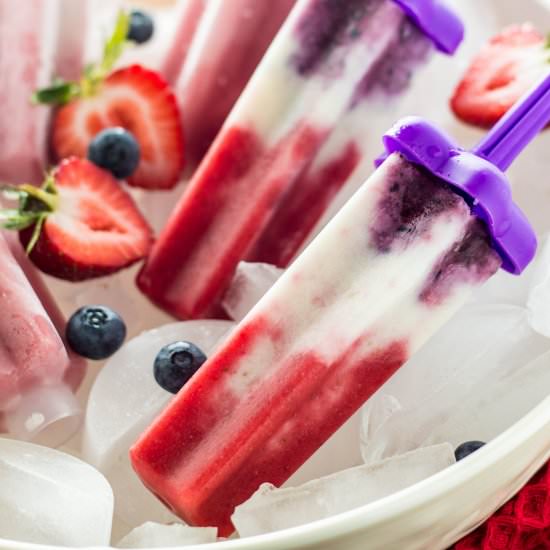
394 264
34 392
301 89
228 45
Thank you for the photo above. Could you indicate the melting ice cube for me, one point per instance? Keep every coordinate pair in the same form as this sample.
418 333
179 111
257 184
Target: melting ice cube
155 535
49 497
271 509
250 283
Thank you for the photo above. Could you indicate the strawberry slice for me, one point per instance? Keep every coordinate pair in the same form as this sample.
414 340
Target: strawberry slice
81 224
138 100
505 69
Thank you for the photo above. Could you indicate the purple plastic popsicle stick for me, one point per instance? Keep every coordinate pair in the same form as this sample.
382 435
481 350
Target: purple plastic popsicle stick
437 20
517 128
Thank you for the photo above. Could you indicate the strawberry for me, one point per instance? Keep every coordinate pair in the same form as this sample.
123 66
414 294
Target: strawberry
81 224
503 71
134 98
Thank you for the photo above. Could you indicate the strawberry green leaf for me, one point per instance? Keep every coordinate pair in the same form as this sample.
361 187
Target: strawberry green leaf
58 93
15 220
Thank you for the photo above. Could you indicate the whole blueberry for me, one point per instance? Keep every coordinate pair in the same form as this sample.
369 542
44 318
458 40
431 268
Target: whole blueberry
141 27
95 332
176 363
467 448
115 150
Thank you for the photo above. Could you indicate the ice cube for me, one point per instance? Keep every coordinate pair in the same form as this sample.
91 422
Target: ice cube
271 509
124 400
250 283
462 385
155 535
49 497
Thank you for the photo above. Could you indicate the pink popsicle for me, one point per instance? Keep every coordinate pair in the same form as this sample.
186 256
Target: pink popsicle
189 16
37 39
227 46
37 377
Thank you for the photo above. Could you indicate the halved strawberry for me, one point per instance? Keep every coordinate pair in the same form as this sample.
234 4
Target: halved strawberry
135 98
81 224
505 69
138 100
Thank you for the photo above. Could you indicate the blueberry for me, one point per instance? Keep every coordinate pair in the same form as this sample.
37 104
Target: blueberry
465 449
95 332
116 150
176 363
141 27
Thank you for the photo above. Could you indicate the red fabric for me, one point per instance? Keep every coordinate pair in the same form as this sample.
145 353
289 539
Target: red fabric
523 523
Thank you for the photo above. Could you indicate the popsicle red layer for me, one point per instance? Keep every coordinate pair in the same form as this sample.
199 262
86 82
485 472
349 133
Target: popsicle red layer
376 283
303 86
228 45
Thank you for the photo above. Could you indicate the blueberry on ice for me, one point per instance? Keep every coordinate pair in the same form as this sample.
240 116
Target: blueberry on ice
176 363
141 27
95 332
467 448
115 150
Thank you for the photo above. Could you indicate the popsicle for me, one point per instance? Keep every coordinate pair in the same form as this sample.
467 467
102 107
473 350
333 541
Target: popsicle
228 45
342 159
38 39
301 89
29 34
76 369
431 224
36 398
189 15
71 38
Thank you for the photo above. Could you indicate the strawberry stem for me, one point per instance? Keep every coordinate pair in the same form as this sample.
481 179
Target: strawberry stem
42 195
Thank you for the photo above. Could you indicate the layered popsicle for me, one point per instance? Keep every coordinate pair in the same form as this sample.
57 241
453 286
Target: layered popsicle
36 39
432 223
304 85
342 161
37 375
227 46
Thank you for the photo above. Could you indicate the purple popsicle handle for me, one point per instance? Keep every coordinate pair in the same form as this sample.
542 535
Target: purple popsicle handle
437 20
517 128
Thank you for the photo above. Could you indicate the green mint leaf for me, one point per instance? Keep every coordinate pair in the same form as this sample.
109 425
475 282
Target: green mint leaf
116 43
58 93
